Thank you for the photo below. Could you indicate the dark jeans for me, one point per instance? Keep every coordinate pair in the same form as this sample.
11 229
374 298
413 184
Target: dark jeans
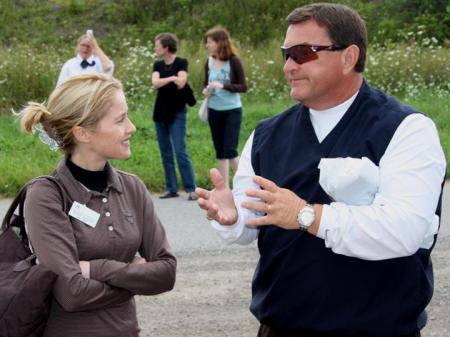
225 127
267 331
172 137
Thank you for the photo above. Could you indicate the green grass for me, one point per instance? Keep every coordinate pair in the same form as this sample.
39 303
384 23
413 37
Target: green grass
438 109
23 156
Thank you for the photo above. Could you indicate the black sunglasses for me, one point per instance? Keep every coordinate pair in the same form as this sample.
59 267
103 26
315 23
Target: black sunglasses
302 53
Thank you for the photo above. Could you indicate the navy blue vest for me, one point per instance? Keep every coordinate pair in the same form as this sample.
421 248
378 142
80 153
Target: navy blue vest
299 284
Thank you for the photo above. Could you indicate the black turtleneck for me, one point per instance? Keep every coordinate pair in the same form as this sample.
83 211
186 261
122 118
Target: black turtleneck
94 180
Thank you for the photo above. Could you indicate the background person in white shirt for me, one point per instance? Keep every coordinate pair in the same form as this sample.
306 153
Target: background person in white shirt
89 57
332 264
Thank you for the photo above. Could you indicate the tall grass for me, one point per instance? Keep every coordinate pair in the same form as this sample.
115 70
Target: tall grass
399 69
409 68
26 73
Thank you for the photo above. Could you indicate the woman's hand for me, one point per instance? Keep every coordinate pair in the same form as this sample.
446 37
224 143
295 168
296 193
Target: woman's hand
206 92
214 85
138 260
85 267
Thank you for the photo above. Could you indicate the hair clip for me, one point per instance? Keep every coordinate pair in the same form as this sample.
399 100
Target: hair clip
45 138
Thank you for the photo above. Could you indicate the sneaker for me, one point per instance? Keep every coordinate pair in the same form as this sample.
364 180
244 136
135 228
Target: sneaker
167 195
192 196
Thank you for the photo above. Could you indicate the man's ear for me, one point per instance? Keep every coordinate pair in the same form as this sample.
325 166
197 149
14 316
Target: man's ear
350 57
81 134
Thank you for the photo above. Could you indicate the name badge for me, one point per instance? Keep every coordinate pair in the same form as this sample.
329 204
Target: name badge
84 214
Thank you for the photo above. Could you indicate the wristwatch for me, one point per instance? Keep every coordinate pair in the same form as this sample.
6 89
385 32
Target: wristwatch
306 217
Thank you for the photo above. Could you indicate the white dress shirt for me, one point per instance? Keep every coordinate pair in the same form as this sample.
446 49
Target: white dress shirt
400 220
73 67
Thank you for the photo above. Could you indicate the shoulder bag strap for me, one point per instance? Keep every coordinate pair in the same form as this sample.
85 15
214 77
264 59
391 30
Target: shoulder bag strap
19 201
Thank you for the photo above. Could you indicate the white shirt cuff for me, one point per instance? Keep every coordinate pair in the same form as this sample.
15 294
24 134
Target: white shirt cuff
328 222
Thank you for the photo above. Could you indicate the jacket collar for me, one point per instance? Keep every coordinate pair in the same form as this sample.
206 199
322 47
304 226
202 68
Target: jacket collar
74 187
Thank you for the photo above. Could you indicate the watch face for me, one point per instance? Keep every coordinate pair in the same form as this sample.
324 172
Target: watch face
307 218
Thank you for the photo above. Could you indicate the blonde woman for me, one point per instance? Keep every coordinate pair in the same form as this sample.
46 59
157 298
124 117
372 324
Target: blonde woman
111 246
224 81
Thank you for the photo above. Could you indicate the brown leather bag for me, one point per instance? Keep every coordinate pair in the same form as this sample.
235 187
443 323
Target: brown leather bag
25 287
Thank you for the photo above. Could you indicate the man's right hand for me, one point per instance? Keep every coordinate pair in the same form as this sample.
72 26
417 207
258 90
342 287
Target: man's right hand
218 203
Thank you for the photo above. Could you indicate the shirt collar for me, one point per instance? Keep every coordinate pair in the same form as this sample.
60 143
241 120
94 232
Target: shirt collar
89 59
74 187
323 121
338 109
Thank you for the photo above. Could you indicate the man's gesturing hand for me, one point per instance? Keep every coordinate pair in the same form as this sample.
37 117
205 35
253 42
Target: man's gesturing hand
218 203
280 205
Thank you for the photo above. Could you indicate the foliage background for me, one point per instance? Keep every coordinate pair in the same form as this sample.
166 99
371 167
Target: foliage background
38 36
60 22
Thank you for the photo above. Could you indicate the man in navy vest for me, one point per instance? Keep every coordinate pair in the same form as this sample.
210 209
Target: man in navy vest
342 192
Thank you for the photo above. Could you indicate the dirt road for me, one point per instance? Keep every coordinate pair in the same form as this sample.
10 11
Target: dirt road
212 293
212 296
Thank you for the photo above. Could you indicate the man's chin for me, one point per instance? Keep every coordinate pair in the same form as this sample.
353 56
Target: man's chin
296 95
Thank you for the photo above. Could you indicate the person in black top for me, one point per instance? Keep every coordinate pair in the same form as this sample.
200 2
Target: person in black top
169 114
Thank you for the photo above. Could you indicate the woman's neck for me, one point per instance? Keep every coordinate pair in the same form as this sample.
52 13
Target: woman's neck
218 63
87 162
93 180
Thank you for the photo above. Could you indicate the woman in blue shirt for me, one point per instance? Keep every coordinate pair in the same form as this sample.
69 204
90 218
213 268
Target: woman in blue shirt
224 80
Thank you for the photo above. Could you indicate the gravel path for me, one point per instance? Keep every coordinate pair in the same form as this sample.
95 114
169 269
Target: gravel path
212 296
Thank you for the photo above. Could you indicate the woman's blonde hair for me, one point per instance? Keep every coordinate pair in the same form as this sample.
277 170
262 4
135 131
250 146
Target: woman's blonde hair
225 45
79 101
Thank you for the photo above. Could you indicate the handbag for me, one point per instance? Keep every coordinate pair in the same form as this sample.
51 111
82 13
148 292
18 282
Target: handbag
189 97
203 111
25 287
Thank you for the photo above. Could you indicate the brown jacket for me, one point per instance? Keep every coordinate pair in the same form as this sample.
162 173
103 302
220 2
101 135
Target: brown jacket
102 305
